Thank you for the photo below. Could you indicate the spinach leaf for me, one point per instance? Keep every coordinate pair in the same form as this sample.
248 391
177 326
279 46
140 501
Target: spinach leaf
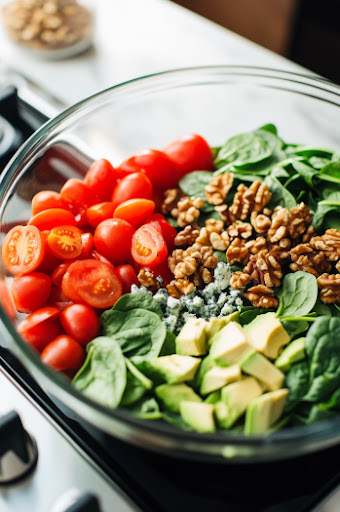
331 170
280 195
169 345
323 350
147 409
221 255
249 313
318 162
194 183
306 172
139 332
307 414
298 294
310 151
103 375
131 301
297 380
134 391
205 216
295 328
331 204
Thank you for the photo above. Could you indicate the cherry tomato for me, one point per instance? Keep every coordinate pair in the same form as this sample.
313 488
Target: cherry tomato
41 327
169 232
99 212
163 271
81 322
49 219
190 153
76 197
23 249
6 300
97 256
135 211
63 353
50 261
127 276
58 298
131 186
155 164
101 178
86 245
92 282
112 239
65 242
148 246
45 200
30 291
59 272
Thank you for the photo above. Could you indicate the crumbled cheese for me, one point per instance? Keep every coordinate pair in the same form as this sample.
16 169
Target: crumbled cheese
170 322
222 275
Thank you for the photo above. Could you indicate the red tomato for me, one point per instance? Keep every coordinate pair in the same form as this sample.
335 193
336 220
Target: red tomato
158 198
76 197
168 232
50 261
63 353
86 245
148 246
163 271
97 256
23 249
101 178
190 153
155 164
6 300
99 212
59 272
49 219
41 327
93 282
127 276
65 242
81 322
45 200
131 186
112 239
58 298
30 291
135 211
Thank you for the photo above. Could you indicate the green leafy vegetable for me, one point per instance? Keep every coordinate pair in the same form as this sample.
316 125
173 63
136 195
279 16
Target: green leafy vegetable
194 183
332 203
147 409
131 301
297 380
298 294
280 195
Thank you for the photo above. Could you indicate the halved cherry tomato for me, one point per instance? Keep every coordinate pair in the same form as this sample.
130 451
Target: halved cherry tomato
148 246
30 291
45 200
59 272
169 232
41 327
101 178
87 243
49 219
112 239
76 197
99 212
50 261
63 353
135 211
163 271
136 184
127 276
155 164
81 322
94 282
65 242
190 153
23 249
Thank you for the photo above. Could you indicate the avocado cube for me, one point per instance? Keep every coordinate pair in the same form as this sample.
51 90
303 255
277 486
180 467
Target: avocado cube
176 368
267 335
293 353
205 365
235 398
218 377
264 411
213 398
171 395
230 345
216 324
199 416
260 367
192 338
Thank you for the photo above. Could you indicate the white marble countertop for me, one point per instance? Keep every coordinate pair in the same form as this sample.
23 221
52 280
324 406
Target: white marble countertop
135 38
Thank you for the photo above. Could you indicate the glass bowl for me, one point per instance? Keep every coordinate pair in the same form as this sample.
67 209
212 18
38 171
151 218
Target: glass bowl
149 112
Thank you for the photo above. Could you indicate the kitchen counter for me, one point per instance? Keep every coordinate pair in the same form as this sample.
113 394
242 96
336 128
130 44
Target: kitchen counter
135 38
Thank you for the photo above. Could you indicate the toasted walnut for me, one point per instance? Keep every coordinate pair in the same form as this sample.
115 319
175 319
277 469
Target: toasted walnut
243 203
203 238
208 258
279 227
214 226
308 235
304 257
239 280
187 236
187 267
263 268
218 188
237 252
226 215
220 241
179 287
176 257
171 198
148 279
262 297
262 195
329 285
260 222
187 211
328 243
240 229
299 218
202 276
281 250
256 245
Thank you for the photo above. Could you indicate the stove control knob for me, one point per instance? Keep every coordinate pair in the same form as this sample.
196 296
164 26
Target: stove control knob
74 501
18 450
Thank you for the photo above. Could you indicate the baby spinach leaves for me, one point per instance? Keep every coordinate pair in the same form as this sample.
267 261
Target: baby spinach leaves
194 183
298 294
131 301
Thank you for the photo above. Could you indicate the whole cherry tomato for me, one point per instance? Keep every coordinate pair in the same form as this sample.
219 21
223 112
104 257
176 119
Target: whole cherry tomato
127 276
45 200
76 197
30 291
101 178
99 212
49 219
134 185
135 211
112 239
190 153
41 327
81 322
63 353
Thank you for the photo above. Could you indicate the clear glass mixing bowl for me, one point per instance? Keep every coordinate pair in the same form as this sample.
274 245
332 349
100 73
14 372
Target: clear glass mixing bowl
149 112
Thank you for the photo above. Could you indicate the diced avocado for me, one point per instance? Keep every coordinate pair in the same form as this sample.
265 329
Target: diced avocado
171 395
205 365
192 338
176 368
214 397
216 324
267 335
264 411
199 416
230 345
235 398
218 377
293 353
260 367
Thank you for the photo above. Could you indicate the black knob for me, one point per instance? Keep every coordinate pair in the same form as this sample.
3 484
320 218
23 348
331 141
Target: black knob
18 450
86 503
